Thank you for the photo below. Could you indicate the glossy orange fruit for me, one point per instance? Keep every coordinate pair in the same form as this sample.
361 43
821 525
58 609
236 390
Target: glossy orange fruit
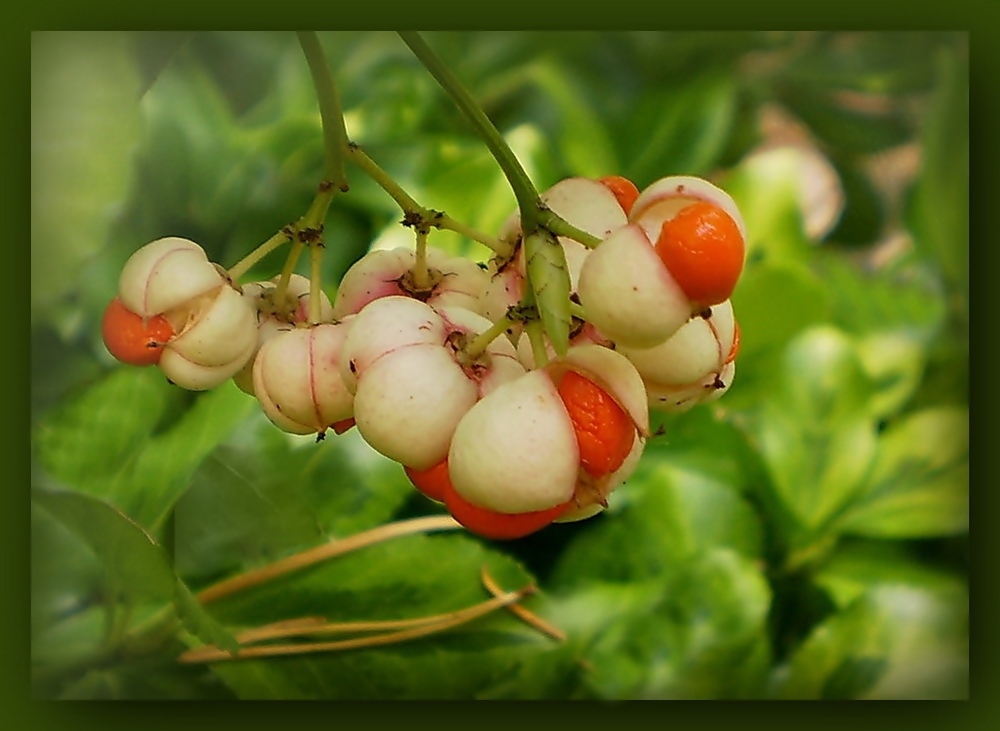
604 432
703 248
132 340
431 482
499 526
624 190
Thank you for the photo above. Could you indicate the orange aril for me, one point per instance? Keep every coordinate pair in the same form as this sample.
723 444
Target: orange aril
624 190
499 526
604 432
703 248
432 482
132 340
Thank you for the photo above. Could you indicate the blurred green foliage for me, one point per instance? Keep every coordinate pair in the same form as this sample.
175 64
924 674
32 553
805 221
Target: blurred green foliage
806 537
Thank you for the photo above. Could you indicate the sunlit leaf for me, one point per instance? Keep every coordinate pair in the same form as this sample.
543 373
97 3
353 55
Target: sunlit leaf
894 641
813 433
920 480
678 636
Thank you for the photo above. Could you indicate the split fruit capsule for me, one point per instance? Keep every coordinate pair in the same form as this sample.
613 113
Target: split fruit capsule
552 443
182 308
402 360
591 205
455 281
696 364
681 253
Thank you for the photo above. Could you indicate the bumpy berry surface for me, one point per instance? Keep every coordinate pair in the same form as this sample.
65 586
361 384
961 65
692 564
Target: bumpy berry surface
604 431
131 340
624 190
703 248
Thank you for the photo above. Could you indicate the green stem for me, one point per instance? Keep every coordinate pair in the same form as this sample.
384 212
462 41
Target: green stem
536 336
334 129
384 180
240 268
499 246
316 249
524 190
413 210
561 227
482 341
286 273
577 310
421 275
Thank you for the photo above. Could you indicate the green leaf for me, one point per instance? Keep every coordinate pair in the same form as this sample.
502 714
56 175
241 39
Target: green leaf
137 570
264 493
92 438
100 443
699 441
698 633
65 574
404 578
681 129
659 520
774 302
147 679
84 126
549 278
813 431
583 140
893 642
939 211
919 485
860 566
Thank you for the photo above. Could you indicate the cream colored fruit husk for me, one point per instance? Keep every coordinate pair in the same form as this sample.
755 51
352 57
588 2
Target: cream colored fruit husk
164 274
408 403
372 270
663 199
384 326
515 451
195 377
628 293
699 348
297 379
616 376
218 331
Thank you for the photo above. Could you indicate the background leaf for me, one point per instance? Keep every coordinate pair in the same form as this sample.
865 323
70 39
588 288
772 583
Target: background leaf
920 481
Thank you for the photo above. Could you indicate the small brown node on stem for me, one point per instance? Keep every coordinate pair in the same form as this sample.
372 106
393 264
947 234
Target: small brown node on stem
311 235
412 219
325 186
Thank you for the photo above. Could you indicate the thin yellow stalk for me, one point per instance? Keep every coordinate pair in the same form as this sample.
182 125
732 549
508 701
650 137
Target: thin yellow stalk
454 619
525 614
326 551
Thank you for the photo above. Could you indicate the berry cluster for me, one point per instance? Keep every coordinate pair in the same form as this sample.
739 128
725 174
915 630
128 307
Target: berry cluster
411 354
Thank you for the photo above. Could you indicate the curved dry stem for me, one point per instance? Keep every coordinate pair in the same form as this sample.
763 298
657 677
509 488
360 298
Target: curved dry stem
324 552
525 614
453 619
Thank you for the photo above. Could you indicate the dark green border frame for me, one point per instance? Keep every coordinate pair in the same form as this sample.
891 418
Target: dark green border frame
975 16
